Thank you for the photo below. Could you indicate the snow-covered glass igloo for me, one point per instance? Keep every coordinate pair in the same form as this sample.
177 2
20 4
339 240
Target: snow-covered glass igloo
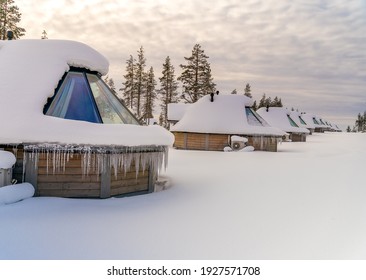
71 135
208 125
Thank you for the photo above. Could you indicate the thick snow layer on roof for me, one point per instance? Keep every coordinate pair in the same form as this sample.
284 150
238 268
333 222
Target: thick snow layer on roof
30 71
278 117
177 110
296 117
309 118
7 160
225 115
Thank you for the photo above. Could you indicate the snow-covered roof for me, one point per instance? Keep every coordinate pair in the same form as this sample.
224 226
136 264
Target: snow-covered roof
312 119
227 114
30 70
280 117
177 110
300 121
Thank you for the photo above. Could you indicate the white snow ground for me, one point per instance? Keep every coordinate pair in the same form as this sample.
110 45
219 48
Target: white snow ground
306 201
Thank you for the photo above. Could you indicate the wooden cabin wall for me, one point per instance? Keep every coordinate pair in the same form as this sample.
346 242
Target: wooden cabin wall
200 141
217 142
70 181
298 137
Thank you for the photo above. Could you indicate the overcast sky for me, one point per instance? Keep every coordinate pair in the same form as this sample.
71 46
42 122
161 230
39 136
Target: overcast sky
311 53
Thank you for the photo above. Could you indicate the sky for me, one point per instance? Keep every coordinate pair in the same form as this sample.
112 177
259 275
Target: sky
312 54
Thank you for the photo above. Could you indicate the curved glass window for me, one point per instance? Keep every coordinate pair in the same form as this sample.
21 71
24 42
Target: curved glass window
110 108
84 96
74 100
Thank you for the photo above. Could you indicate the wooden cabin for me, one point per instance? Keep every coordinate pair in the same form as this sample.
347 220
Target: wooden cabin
71 135
209 124
280 117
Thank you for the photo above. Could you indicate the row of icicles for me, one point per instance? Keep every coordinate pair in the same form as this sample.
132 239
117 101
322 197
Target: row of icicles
98 160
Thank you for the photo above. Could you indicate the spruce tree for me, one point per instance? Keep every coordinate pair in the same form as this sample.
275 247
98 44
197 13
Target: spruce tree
262 101
140 80
247 91
44 35
110 83
255 106
196 76
128 91
9 19
149 97
234 91
168 90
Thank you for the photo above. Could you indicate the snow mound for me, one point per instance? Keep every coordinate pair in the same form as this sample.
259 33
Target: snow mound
7 160
239 139
15 193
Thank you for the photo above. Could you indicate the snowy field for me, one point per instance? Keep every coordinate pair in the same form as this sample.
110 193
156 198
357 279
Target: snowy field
305 202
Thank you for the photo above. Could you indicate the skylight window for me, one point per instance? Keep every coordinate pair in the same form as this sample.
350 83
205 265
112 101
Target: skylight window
254 119
292 121
315 121
84 96
302 121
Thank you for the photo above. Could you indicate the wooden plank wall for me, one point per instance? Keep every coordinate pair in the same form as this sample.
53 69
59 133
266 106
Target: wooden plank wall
217 142
68 182
298 137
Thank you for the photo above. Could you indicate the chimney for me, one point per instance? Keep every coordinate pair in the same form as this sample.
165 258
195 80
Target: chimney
10 35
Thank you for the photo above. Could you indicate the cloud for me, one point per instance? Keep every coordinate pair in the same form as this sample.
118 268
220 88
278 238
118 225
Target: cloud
308 52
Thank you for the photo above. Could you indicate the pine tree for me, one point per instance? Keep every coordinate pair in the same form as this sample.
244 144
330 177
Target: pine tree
262 101
128 91
168 90
349 129
149 97
234 91
140 79
110 83
255 105
247 91
44 35
196 76
9 19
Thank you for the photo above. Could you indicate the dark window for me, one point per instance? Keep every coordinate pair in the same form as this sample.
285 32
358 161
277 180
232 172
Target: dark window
74 100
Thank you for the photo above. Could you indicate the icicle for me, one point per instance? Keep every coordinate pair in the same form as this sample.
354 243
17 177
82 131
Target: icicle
93 158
